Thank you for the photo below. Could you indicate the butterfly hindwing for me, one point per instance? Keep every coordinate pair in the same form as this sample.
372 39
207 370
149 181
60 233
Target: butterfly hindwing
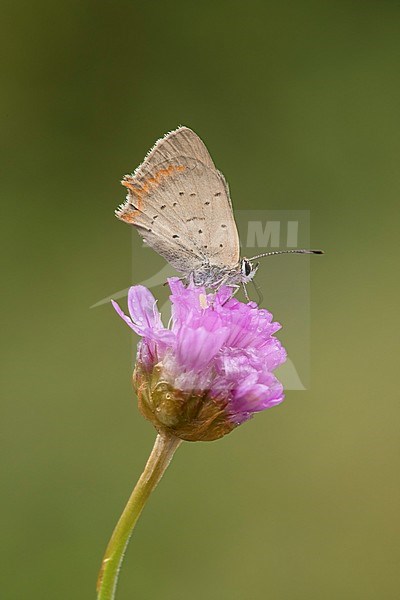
180 204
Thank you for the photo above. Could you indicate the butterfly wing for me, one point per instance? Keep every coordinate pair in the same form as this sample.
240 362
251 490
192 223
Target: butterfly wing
180 204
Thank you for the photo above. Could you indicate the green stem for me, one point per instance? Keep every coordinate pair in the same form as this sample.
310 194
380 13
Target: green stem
160 457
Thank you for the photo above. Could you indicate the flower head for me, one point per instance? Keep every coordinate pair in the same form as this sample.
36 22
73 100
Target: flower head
211 370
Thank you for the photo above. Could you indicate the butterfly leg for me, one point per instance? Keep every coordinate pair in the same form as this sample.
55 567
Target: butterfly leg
245 292
184 278
223 281
235 289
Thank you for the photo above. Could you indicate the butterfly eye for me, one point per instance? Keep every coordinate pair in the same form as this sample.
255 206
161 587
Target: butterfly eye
246 267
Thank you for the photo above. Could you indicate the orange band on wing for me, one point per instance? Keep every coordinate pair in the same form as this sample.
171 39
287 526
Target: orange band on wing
127 213
148 185
138 190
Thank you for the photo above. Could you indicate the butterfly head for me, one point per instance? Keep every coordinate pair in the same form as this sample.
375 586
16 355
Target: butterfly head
248 269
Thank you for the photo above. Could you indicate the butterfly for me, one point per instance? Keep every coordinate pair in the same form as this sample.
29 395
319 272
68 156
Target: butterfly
180 204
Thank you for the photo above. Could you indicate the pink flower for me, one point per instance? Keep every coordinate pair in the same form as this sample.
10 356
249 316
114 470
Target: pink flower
212 369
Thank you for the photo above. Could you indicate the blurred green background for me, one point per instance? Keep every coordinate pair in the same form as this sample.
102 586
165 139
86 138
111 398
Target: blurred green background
299 104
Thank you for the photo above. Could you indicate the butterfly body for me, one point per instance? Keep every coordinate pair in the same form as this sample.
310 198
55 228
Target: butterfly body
211 276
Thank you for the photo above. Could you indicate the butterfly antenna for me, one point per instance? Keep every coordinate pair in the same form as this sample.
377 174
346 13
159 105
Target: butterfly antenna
299 251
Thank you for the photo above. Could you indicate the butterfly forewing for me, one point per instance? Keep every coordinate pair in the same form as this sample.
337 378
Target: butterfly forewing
180 204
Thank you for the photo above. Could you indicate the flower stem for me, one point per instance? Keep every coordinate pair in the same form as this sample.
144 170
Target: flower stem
160 457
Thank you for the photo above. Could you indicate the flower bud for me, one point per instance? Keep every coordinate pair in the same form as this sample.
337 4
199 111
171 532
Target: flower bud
189 415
